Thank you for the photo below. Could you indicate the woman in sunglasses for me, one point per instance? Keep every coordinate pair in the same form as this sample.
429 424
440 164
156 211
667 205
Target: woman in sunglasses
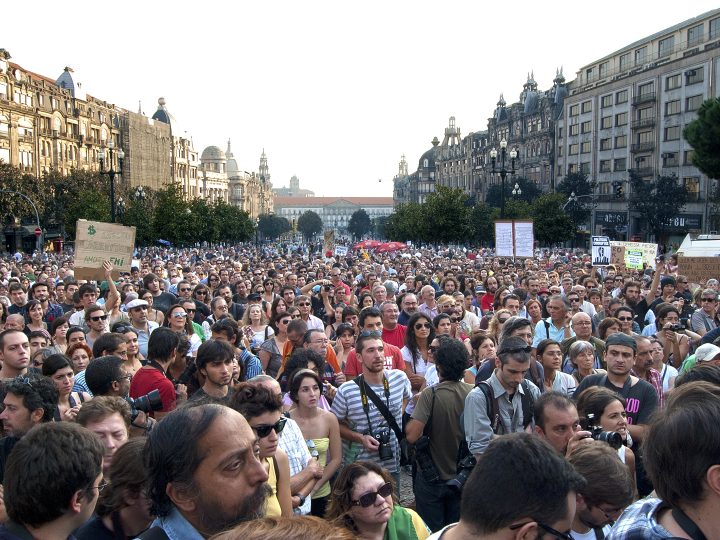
270 352
363 500
419 335
177 319
263 411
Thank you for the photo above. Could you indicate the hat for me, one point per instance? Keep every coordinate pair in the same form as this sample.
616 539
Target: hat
479 290
254 297
544 290
623 340
667 280
136 304
706 352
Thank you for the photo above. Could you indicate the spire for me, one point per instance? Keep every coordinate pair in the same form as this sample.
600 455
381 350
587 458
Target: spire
229 153
139 107
501 101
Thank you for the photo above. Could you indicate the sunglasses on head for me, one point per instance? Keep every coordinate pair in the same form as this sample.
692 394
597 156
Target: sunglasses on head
369 499
264 431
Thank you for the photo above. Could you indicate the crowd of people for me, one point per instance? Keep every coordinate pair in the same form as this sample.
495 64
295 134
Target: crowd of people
279 393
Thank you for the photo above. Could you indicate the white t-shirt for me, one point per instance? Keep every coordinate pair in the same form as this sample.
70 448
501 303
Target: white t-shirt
590 535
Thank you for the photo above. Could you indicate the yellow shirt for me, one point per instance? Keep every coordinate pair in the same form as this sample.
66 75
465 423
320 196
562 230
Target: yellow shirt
272 507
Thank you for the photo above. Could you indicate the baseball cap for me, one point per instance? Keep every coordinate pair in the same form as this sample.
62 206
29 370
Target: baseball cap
706 352
136 304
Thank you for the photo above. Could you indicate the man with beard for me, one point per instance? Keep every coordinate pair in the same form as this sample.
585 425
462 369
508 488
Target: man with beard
204 475
408 306
215 363
640 306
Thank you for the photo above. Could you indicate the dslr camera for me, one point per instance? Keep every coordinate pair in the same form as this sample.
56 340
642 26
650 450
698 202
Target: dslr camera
596 432
465 467
385 449
147 403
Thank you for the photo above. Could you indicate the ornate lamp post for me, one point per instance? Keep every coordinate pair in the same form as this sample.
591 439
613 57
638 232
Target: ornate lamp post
503 170
111 172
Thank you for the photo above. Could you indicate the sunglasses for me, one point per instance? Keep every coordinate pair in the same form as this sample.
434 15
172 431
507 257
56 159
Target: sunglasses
547 528
264 431
179 315
371 333
99 318
707 299
420 326
185 290
432 349
284 321
369 499
501 321
201 292
191 310
624 318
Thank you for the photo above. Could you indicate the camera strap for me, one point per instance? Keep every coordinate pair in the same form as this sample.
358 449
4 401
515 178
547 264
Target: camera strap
156 365
687 524
367 392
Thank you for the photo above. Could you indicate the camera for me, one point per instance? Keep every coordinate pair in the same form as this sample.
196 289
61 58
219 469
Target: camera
147 403
611 437
679 327
465 467
384 450
326 288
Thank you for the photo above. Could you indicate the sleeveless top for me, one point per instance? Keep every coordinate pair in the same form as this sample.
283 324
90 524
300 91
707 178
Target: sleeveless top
73 403
322 445
273 504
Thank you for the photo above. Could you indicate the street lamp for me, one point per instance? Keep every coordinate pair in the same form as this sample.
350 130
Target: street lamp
503 170
516 190
257 230
111 172
121 208
140 194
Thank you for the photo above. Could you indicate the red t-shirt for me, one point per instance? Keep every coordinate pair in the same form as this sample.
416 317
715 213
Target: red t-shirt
393 360
395 337
148 379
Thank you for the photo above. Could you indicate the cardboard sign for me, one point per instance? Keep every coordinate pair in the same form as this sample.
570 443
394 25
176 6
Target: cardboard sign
96 242
328 240
634 259
600 251
699 269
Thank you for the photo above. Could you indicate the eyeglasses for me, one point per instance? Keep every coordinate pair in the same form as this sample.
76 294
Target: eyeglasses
420 326
185 290
573 300
501 321
179 315
99 488
610 514
369 498
624 318
264 431
432 349
547 528
214 279
294 316
191 310
371 333
284 321
707 299
99 318
124 377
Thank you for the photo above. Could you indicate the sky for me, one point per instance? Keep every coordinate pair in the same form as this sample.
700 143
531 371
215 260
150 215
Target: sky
335 92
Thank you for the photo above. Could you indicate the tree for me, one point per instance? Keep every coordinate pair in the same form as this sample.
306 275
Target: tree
530 191
482 217
579 211
447 216
703 134
517 209
233 224
272 226
379 224
359 224
551 224
172 216
309 224
406 223
657 201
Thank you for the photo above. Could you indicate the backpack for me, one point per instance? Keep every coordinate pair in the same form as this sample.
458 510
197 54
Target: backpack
493 409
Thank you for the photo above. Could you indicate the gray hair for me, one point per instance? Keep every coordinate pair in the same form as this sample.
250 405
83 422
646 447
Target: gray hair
560 298
580 347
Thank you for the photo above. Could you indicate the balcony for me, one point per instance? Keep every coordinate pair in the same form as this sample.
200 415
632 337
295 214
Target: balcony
642 147
643 171
643 123
647 97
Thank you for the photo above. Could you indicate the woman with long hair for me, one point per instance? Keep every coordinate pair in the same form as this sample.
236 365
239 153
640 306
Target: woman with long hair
365 300
268 293
364 501
134 359
263 411
3 316
549 354
318 427
345 342
483 349
418 336
57 367
255 327
496 323
336 318
534 311
270 351
178 320
608 326
278 306
34 318
676 345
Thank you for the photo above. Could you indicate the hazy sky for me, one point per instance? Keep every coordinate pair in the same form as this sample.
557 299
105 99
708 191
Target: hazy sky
334 91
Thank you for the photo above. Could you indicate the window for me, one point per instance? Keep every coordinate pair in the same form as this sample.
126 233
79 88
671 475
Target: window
625 62
560 151
672 133
604 165
605 144
621 119
573 149
585 167
585 147
606 122
646 137
694 35
586 127
560 133
572 168
645 89
693 103
646 112
692 184
587 106
665 47
574 110
603 70
693 76
672 82
715 28
640 55
606 101
621 141
620 164
672 107
670 159
589 75
621 97
574 129
687 159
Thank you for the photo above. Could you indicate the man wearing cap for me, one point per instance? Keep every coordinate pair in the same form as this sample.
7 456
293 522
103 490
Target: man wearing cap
641 397
706 353
138 310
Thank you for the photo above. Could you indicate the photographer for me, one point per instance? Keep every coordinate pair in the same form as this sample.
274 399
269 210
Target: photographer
435 430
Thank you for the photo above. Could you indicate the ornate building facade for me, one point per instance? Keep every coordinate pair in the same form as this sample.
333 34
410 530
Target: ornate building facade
335 212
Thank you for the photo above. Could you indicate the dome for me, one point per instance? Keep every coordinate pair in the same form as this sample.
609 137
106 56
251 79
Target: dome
162 114
213 153
531 102
428 156
67 81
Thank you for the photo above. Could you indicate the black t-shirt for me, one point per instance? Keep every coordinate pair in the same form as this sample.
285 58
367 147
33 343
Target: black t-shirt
641 398
6 446
94 529
163 301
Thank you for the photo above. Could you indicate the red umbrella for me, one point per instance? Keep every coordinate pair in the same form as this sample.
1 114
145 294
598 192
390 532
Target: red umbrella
390 246
365 244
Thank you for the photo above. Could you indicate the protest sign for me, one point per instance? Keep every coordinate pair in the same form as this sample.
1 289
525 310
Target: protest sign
699 269
600 251
96 242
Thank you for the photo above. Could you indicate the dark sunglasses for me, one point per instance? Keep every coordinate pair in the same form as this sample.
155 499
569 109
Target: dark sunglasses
501 321
369 498
707 299
420 326
370 333
264 431
624 318
191 310
284 321
432 349
99 318
185 290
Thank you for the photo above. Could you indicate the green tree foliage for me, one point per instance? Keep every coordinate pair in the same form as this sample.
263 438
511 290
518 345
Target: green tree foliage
447 215
379 225
579 211
551 224
517 209
482 217
657 201
234 224
406 223
15 207
703 134
272 226
172 216
529 189
309 224
359 224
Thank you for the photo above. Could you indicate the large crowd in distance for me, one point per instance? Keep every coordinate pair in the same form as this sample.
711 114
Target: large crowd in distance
278 392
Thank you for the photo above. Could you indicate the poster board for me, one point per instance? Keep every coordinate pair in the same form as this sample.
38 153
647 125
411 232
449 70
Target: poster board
524 236
504 239
328 241
699 269
341 251
601 251
95 242
619 249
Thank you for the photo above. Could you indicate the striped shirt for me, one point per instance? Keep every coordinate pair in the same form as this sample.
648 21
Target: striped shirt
347 406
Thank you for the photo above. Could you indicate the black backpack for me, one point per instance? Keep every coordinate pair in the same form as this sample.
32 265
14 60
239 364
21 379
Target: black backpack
493 409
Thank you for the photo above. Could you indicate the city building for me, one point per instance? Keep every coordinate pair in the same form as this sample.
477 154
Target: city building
627 111
294 190
335 212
